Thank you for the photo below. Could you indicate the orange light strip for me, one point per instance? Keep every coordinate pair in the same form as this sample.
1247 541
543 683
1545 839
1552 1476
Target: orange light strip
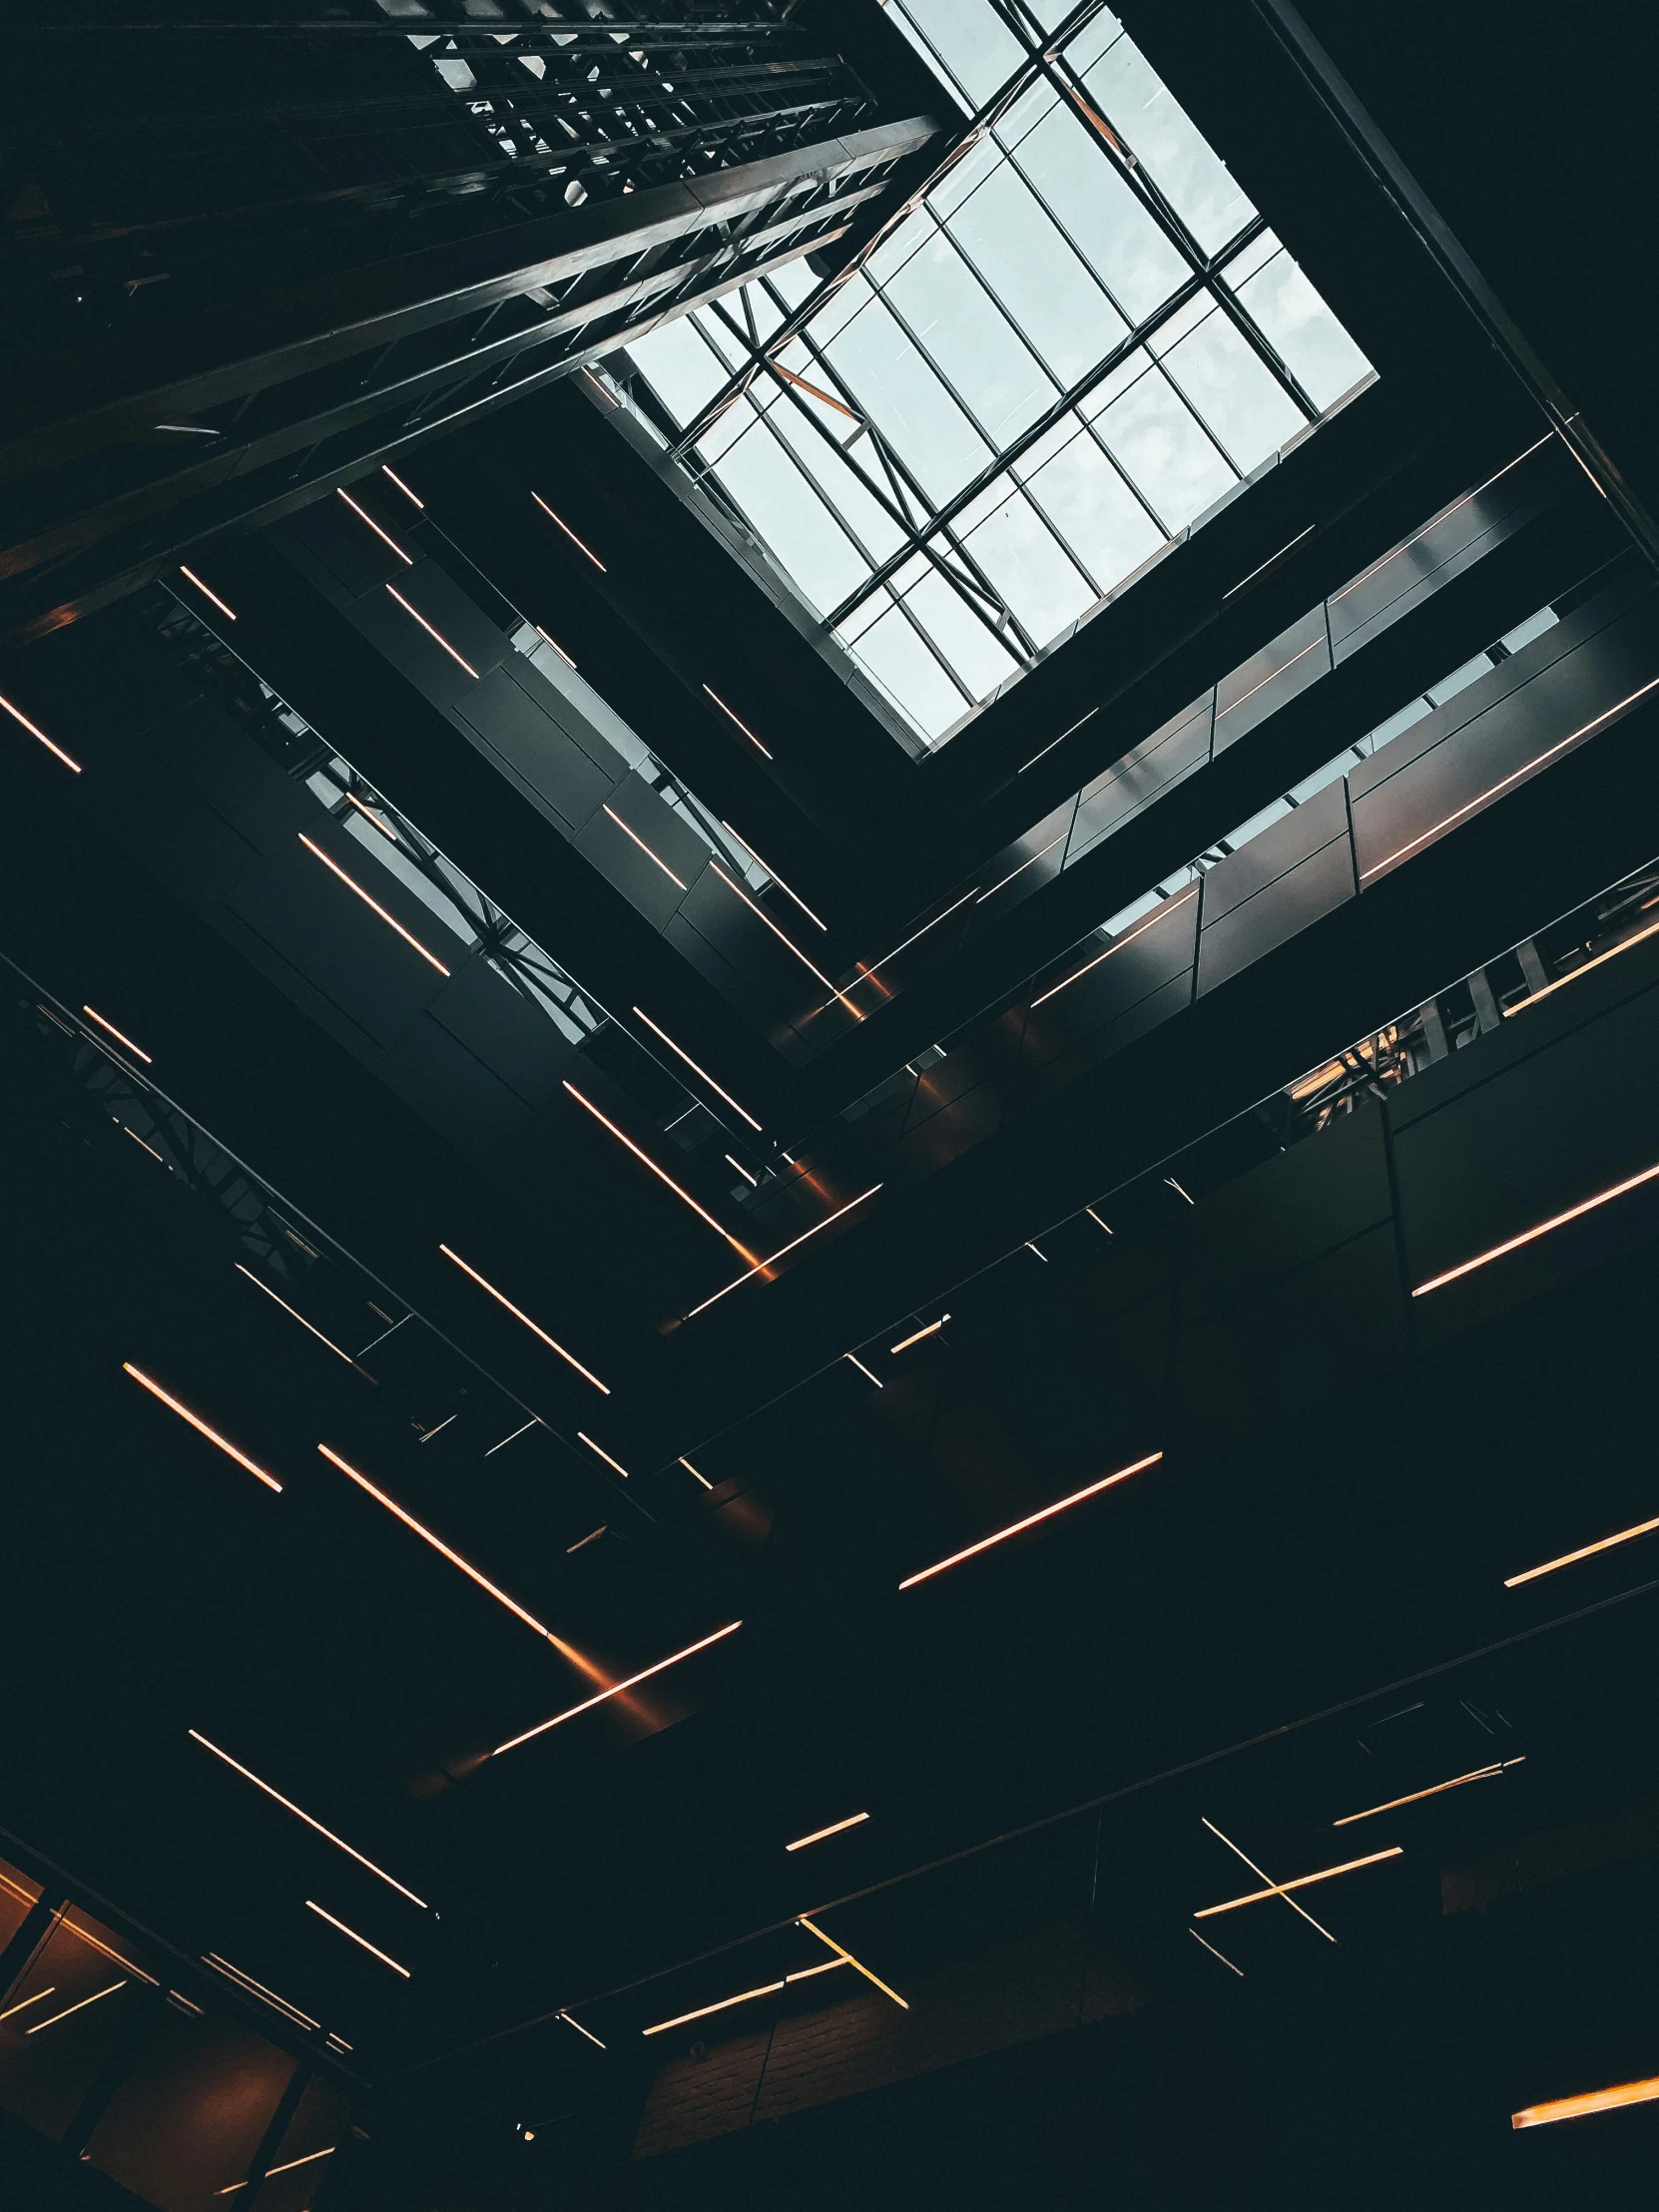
763 1989
817 1837
1593 2100
863 1370
690 1469
1503 785
1095 1218
57 750
582 1543
742 725
438 1543
1478 1774
569 532
109 1951
289 1805
784 939
1021 870
128 1042
753 1181
904 1342
402 487
842 1952
617 1689
312 1906
1585 1552
150 1148
50 1990
431 633
581 2030
603 1454
385 829
691 1063
363 516
1278 1890
1301 1882
1561 981
761 1265
287 1309
552 1342
353 885
1117 944
867 972
213 1437
1214 1953
554 643
661 1174
247 1984
55 2018
1031 1520
1528 1236
644 848
310 2159
772 873
227 612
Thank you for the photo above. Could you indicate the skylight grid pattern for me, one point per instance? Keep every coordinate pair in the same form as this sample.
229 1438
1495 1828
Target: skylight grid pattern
1080 343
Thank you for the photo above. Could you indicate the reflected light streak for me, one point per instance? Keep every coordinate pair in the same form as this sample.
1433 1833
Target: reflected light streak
661 1174
56 750
363 515
1544 1228
785 939
1416 1797
644 848
1300 1881
289 1805
906 1343
121 1038
246 1982
434 632
1561 981
772 873
312 1906
1024 865
109 1951
1048 1512
213 1437
854 1820
761 1266
1584 1551
385 829
301 1319
865 974
1117 944
616 1689
402 487
229 613
535 1331
353 885
743 726
1593 2100
707 1077
53 2019
569 532
604 1454
857 1964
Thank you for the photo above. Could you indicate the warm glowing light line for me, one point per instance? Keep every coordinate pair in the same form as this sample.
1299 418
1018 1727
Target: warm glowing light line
1267 679
312 1906
1301 1882
1060 740
1415 1797
270 2172
806 1973
863 1370
581 2030
1585 1552
57 750
385 829
245 1982
1561 981
1095 1218
213 1437
603 1454
1256 1870
690 1469
842 1952
761 1265
554 643
661 1174
535 1331
1394 554
568 531
1527 1236
742 725
867 972
1514 776
753 1181
87 1937
725 2004
904 1342
707 1077
150 1148
1214 1953
1593 2100
817 1837
402 487
1048 1512
644 848
289 1805
1117 944
783 937
227 612
772 873
300 1318
120 1038
432 631
364 516
391 923
1021 870
23 2004
1261 568
592 1538
617 1689
55 2018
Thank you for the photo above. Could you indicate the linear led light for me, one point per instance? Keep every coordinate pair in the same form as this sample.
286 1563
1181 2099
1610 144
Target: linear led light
552 1342
1278 1890
1267 679
690 1469
603 1454
1544 1228
707 1077
1117 944
582 1543
569 532
385 829
340 2042
432 633
1585 1552
772 873
300 1318
213 1437
863 1370
1262 567
1300 1881
644 848
852 1820
762 1989
53 2019
312 1906
137 1140
616 1688
761 1265
245 1982
310 2159
227 612
1478 1774
1048 1512
57 750
876 966
857 1965
904 1342
1561 981
1503 785
661 1174
1042 1256
143 1056
1060 740
554 643
1214 1953
753 1181
1593 2100
737 719
364 516
22 2003
581 2030
109 1951
1095 1218
1395 552
1021 870
289 1805
353 885
784 939
402 487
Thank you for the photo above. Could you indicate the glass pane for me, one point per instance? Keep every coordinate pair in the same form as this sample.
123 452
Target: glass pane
863 515
1153 434
980 53
792 520
1102 215
910 674
1193 178
1019 553
970 171
974 347
956 630
1047 290
1092 41
1234 390
1095 511
1309 341
902 394
680 368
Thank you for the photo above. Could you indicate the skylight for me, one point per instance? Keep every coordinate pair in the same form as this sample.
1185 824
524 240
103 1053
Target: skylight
1078 346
